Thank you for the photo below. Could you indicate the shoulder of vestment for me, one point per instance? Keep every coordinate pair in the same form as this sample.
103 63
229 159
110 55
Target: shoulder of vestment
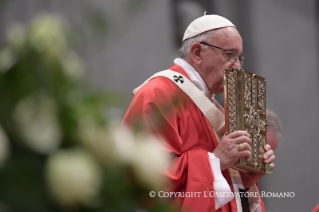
159 87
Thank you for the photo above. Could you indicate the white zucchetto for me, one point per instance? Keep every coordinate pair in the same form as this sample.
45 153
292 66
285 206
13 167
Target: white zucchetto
206 23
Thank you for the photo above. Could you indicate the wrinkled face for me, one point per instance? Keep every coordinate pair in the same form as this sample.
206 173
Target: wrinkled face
215 61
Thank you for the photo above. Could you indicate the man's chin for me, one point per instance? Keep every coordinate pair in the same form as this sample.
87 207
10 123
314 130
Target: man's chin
221 90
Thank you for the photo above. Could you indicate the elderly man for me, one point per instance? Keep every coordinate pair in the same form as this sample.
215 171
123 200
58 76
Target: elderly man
178 106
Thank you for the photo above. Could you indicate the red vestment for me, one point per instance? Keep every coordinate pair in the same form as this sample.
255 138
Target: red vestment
166 111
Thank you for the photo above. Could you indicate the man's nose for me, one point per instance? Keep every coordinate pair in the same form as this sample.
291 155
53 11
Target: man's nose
236 64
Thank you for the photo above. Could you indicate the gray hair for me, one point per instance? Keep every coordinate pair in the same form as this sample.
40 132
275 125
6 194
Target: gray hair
273 122
186 45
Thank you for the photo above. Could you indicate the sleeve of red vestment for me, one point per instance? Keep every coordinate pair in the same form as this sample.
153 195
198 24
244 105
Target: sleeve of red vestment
158 107
191 175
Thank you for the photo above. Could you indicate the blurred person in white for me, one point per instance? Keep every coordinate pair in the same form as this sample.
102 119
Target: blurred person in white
178 105
273 129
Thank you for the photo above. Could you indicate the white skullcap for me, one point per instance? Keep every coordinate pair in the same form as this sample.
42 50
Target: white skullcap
206 23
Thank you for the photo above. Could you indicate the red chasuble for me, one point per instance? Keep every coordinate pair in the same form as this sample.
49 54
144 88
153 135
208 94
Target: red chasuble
166 111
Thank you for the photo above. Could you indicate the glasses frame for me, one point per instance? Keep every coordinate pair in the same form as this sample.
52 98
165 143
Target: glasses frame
241 58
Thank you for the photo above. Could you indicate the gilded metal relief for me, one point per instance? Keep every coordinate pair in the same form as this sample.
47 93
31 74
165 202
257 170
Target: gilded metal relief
245 109
261 96
247 90
232 112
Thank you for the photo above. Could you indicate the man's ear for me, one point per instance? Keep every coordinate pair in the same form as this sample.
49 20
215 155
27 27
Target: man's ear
196 53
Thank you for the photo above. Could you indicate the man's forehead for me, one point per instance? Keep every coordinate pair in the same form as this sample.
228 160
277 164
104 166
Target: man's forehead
228 38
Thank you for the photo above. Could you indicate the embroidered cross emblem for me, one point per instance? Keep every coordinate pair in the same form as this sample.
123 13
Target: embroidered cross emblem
178 78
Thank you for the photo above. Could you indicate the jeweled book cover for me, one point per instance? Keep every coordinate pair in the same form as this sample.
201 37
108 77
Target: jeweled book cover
245 109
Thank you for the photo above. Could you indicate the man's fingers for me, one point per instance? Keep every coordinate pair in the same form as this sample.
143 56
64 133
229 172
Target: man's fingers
267 147
270 159
242 139
268 154
238 133
244 154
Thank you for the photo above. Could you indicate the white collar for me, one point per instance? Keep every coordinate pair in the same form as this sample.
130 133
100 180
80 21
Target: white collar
194 76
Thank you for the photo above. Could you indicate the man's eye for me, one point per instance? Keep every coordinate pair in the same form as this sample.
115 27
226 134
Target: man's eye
230 54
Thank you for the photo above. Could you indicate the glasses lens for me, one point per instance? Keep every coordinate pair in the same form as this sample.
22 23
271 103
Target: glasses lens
241 59
231 57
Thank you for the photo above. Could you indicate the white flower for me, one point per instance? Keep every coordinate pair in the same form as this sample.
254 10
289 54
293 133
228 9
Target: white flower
113 145
120 147
150 161
144 152
97 139
37 122
4 147
47 35
124 144
73 65
73 178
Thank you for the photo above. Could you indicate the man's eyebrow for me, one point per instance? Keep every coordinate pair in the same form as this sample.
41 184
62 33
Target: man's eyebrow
234 50
231 50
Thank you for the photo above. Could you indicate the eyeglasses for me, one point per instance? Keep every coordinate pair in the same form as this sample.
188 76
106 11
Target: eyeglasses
232 58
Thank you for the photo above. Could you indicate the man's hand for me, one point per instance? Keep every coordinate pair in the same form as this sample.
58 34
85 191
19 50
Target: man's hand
250 179
228 150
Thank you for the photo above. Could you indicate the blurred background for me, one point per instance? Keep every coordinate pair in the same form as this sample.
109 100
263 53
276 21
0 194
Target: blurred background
121 43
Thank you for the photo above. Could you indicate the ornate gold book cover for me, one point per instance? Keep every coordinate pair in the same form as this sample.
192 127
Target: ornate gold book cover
245 109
